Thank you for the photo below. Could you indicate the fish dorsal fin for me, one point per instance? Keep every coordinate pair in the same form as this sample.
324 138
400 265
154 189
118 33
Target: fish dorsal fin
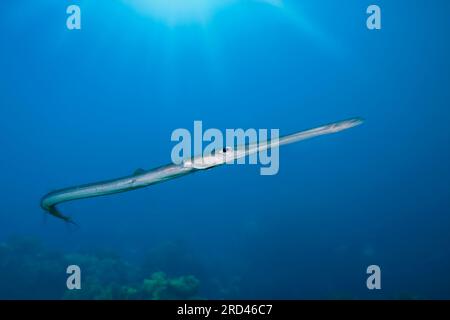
139 171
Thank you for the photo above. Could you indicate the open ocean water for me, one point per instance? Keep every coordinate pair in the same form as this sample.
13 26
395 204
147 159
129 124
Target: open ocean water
80 106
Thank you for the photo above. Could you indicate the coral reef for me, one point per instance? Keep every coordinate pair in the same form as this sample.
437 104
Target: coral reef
26 268
159 286
29 271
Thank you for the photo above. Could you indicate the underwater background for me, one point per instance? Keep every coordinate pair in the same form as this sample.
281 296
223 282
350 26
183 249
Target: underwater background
79 106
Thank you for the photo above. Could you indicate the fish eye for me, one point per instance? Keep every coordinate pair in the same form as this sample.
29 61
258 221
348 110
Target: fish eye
224 150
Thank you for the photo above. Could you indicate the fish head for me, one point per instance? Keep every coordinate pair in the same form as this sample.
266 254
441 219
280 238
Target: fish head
216 158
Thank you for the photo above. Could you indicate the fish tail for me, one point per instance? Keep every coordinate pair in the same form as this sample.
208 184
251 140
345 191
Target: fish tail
56 213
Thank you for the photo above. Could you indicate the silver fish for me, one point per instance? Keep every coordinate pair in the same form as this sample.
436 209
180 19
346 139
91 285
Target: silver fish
144 178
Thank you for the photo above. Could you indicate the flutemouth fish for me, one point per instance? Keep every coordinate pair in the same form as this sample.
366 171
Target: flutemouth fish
171 171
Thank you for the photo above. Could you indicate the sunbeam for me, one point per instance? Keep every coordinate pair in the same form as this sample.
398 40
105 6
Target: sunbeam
179 12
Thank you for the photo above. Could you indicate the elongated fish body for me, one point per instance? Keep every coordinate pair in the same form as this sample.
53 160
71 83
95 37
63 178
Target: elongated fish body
146 178
108 187
244 151
115 186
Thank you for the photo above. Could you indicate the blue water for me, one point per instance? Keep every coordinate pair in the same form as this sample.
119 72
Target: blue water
97 103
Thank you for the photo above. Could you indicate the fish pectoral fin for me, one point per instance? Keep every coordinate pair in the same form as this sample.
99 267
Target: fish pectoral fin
139 171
